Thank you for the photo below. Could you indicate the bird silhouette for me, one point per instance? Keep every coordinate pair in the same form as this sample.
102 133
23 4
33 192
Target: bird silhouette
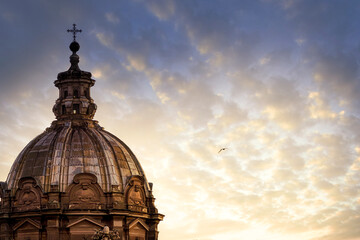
222 149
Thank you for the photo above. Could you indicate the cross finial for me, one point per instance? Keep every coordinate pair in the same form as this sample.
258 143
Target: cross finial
74 31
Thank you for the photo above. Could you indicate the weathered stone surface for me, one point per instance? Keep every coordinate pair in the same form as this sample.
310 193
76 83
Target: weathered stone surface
57 155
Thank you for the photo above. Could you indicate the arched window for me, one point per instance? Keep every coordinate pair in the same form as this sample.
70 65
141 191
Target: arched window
63 109
76 93
76 108
66 94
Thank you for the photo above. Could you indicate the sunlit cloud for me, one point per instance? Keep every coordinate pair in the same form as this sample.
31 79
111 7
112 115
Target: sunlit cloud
162 9
275 83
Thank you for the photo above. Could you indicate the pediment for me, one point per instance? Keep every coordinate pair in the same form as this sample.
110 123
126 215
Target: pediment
85 220
139 221
28 221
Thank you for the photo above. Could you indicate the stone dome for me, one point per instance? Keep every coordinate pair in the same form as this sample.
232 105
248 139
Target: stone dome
54 157
75 177
75 143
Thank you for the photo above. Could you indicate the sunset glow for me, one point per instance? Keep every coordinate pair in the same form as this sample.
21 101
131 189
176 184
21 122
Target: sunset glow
275 83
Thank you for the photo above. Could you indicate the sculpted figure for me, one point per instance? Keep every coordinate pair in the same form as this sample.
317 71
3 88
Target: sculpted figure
85 194
135 197
28 197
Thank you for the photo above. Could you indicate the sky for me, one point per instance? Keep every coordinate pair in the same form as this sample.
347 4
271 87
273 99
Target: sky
276 83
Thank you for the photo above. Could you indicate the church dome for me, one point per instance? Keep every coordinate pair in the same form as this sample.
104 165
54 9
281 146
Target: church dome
75 143
75 177
54 157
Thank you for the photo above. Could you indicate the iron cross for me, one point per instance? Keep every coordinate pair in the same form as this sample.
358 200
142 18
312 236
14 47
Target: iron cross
74 31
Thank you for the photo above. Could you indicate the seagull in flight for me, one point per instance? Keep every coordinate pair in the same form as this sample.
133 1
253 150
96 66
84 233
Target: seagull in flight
222 149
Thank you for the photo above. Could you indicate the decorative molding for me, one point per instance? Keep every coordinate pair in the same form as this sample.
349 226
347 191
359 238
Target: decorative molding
141 222
84 219
27 220
84 193
28 195
135 194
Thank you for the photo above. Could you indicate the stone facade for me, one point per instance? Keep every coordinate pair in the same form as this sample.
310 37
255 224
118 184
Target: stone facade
75 177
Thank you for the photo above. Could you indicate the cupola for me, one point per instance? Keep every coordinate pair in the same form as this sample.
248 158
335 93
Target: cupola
75 177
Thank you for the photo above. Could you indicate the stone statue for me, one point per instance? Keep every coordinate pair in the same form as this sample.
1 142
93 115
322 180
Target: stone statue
135 197
106 234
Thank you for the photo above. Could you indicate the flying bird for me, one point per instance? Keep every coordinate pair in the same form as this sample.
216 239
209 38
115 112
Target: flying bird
222 149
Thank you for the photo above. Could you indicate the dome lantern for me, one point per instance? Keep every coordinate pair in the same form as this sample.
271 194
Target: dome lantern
74 103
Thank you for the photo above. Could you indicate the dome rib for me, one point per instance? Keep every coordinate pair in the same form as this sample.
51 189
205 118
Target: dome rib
30 162
75 158
117 168
57 163
37 156
81 136
66 160
13 176
62 177
133 157
100 157
89 154
126 154
48 159
103 158
125 167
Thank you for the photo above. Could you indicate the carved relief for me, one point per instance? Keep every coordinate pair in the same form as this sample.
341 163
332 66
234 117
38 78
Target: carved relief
136 195
85 193
28 196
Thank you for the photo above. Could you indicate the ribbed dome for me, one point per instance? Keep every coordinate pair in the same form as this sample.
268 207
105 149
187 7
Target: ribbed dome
76 177
57 155
75 143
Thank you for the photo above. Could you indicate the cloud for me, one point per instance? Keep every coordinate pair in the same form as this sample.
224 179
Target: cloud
320 108
178 80
280 101
337 76
136 62
162 9
111 17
